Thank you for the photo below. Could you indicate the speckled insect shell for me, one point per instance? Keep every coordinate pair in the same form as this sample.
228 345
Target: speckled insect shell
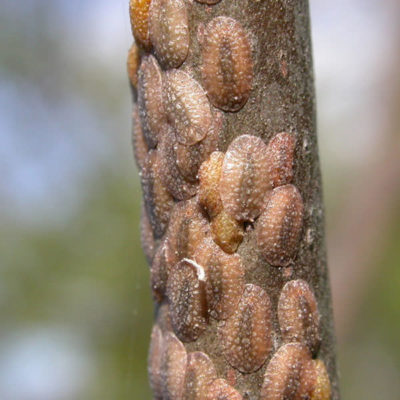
221 390
227 232
154 362
187 107
133 64
169 31
178 186
139 144
298 315
321 388
146 235
209 2
247 335
281 154
139 14
199 375
150 100
187 300
284 373
279 227
173 368
159 273
244 178
227 67
158 201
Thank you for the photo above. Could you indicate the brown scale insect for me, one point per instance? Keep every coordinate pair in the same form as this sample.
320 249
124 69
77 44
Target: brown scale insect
154 362
133 64
157 199
178 186
173 368
284 373
150 100
315 382
159 273
279 227
227 232
187 231
244 177
200 374
247 335
169 31
187 107
140 148
187 299
139 14
209 2
163 317
227 68
298 315
220 390
281 154
209 176
146 236
190 158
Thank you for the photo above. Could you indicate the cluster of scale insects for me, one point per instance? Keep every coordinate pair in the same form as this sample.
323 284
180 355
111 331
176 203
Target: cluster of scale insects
199 205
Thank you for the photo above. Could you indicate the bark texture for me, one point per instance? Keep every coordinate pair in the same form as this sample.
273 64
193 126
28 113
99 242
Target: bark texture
281 99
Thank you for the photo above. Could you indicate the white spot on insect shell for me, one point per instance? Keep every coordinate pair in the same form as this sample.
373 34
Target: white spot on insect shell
244 178
279 226
187 300
227 67
187 107
169 31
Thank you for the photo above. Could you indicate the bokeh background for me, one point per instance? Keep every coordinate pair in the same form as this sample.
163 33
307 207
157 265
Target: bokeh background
75 306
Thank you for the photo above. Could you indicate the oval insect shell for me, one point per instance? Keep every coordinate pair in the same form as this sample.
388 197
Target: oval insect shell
227 67
244 177
169 31
200 374
187 231
173 368
157 199
220 390
178 186
154 362
227 232
281 154
163 317
150 100
146 236
159 273
133 64
187 300
279 227
284 371
209 176
190 158
139 15
225 282
247 334
315 383
187 106
298 315
140 148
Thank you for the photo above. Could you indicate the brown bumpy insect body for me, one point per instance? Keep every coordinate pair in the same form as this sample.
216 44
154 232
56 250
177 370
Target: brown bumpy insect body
187 107
284 371
210 2
157 199
279 226
247 334
133 64
139 144
159 273
227 68
298 315
200 374
220 390
150 100
244 179
154 362
321 389
169 31
146 235
173 368
139 13
281 154
187 299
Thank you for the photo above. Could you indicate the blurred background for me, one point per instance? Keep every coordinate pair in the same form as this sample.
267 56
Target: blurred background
75 306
